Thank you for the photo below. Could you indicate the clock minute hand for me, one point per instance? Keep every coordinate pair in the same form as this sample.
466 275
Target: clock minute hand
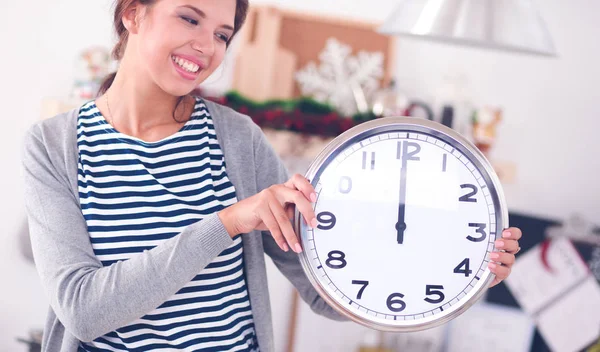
405 155
401 224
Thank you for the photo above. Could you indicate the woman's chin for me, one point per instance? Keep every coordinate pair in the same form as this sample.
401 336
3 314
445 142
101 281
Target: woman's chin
179 89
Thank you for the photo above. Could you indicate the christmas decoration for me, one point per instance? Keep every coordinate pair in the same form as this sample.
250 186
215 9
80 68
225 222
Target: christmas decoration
342 80
303 115
485 124
92 66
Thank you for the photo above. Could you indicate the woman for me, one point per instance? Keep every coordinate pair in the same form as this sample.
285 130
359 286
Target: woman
137 200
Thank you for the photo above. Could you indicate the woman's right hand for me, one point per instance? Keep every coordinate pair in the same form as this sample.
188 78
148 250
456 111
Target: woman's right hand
272 209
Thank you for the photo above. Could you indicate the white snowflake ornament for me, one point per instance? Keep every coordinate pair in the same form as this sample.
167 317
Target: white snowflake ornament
342 80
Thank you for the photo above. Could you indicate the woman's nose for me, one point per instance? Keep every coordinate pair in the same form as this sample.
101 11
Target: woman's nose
204 43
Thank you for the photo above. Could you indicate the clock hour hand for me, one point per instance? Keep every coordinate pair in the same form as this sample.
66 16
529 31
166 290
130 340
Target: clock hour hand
405 155
400 227
401 224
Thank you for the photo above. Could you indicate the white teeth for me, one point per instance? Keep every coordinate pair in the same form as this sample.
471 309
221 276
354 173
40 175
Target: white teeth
185 64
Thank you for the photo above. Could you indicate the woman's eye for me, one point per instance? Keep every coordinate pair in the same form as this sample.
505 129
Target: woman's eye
189 20
223 37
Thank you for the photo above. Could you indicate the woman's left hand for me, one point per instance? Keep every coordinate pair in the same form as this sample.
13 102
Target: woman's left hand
501 262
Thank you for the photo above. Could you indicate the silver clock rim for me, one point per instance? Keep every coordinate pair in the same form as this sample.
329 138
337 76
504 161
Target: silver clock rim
394 122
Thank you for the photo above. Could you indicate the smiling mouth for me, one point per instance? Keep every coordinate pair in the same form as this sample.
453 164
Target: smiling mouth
185 64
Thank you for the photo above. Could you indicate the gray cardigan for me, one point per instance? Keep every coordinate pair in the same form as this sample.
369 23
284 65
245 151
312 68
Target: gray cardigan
88 300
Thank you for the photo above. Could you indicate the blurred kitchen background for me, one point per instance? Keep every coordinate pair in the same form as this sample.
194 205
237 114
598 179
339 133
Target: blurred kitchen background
531 102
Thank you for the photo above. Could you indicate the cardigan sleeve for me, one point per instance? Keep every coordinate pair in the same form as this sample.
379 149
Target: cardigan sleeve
269 171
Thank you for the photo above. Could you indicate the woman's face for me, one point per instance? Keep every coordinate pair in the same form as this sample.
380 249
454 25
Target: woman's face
182 42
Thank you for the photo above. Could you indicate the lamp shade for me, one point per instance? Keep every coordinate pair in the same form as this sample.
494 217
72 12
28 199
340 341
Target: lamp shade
509 25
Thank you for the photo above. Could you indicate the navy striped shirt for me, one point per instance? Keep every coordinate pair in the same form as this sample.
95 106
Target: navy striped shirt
135 195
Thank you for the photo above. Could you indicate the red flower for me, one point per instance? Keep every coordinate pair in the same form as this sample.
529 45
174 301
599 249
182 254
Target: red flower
347 124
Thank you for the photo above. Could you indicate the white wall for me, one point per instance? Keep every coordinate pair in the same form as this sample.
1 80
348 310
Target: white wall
550 127
40 40
551 106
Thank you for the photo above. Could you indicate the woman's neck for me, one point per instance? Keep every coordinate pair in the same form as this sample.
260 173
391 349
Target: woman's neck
140 108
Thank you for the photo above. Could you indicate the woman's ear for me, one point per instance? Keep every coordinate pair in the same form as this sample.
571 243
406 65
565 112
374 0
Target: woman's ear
131 18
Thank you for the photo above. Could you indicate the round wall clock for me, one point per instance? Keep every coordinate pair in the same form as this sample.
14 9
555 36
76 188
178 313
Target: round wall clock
408 211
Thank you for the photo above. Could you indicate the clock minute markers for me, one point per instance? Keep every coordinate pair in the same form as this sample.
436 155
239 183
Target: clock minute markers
357 178
382 298
405 155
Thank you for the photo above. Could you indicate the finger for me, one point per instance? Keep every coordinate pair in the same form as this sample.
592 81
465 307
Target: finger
269 220
289 210
286 195
512 233
501 271
284 224
495 282
503 258
300 183
507 245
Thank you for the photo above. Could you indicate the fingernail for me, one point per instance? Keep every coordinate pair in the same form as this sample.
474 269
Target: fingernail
492 265
495 255
506 234
298 248
313 197
500 244
314 223
285 247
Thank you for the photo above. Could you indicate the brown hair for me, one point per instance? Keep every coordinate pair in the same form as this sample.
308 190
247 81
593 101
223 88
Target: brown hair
241 10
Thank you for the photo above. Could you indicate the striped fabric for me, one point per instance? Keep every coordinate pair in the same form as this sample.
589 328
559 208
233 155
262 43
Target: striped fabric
135 195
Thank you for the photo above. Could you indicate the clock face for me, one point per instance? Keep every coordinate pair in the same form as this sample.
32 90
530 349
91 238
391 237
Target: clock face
407 221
